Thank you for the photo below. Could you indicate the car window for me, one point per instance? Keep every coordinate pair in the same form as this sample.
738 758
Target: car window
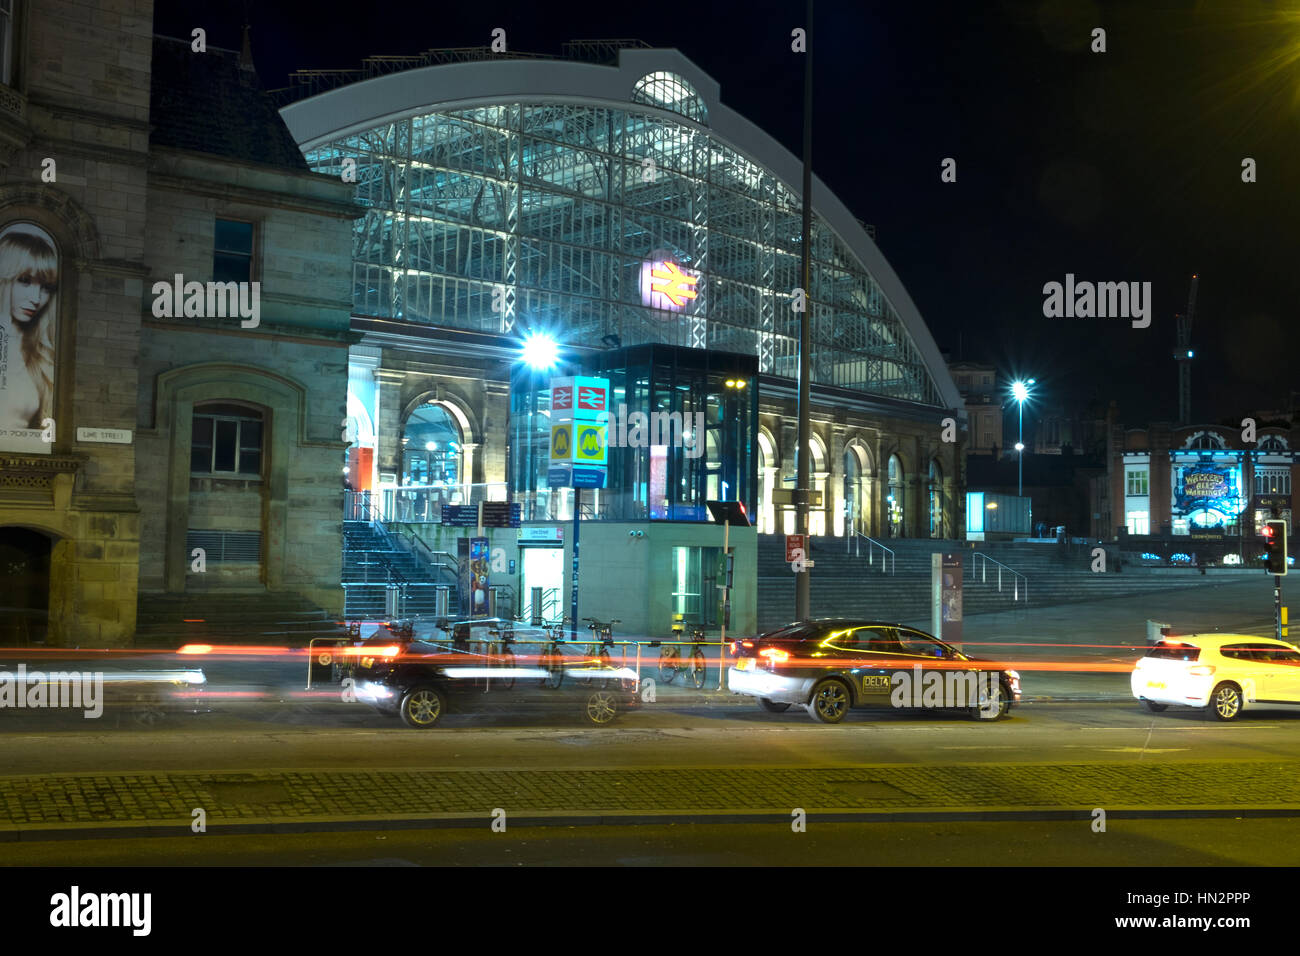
914 642
883 640
796 632
1271 653
1174 652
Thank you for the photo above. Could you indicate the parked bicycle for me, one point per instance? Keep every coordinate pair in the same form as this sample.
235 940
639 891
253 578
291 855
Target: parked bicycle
601 651
671 661
551 658
499 651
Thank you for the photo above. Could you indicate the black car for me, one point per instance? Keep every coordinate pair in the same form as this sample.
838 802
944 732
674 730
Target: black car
478 664
829 666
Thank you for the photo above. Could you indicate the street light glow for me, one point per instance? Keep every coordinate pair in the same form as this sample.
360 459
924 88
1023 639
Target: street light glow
1020 446
540 351
1020 390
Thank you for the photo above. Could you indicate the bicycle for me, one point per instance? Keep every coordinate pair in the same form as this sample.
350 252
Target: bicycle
601 652
551 658
670 659
499 652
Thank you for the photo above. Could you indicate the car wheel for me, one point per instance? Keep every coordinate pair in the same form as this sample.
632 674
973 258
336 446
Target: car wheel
993 707
602 707
1225 702
423 707
830 702
773 706
699 669
1154 707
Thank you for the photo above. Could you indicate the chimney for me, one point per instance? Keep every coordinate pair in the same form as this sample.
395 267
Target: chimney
246 53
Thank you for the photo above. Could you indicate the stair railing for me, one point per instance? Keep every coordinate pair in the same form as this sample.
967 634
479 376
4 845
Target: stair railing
853 543
1019 583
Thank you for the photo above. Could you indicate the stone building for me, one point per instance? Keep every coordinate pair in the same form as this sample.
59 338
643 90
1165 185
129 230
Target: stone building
136 159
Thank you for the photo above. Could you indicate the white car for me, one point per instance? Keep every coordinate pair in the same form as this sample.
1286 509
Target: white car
1227 673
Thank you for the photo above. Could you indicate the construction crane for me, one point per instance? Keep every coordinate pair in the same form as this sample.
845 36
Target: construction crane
1183 355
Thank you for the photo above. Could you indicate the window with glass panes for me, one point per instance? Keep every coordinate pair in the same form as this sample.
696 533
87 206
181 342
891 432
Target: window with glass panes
1138 481
226 440
232 251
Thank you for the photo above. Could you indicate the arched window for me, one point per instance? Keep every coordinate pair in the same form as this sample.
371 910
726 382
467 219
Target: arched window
937 526
1207 441
668 91
431 447
226 440
1272 444
894 499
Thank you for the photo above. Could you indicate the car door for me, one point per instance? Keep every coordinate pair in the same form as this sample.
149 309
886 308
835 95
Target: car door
881 656
955 687
1279 672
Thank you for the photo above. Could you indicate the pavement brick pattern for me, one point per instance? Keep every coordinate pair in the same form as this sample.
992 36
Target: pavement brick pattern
140 798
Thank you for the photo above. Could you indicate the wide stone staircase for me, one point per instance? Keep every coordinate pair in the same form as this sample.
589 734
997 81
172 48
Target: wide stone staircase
373 560
231 617
852 585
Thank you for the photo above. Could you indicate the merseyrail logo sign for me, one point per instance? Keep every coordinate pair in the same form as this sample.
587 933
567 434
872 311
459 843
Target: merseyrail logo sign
561 442
590 446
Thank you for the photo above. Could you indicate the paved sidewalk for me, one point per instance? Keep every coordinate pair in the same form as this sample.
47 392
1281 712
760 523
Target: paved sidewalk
141 804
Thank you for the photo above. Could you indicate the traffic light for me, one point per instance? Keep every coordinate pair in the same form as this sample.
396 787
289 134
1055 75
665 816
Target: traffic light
1275 540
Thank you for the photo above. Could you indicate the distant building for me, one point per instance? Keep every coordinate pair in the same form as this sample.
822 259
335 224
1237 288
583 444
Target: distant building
978 385
134 432
1200 481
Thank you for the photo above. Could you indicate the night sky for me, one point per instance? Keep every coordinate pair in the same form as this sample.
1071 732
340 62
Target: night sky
1115 166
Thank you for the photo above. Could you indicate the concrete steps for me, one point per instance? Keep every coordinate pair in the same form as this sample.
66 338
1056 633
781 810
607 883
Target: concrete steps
848 585
235 617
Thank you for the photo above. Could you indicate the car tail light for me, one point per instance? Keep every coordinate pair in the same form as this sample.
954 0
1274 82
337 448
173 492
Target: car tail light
1201 670
737 645
774 656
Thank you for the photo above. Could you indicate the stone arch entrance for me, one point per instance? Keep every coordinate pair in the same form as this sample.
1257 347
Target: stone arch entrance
26 557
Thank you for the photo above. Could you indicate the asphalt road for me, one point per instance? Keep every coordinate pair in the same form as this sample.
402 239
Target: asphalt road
324 736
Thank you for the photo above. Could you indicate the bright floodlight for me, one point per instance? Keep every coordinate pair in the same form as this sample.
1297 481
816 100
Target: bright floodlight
540 352
1020 390
1020 446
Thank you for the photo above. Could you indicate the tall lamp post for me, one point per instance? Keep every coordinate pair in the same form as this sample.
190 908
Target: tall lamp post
1020 391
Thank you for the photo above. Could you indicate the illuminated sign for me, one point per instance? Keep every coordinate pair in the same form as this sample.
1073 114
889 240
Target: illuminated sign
665 286
579 443
589 445
592 398
591 394
1205 484
561 442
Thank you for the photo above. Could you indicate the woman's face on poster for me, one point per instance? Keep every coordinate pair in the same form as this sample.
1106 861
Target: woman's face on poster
30 296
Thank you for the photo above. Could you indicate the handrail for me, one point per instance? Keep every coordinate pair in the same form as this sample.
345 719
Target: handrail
1002 567
852 543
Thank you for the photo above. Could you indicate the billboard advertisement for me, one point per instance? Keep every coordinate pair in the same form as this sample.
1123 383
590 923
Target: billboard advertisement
29 286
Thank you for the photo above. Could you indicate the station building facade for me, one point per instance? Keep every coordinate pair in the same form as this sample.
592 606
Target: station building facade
609 201
133 435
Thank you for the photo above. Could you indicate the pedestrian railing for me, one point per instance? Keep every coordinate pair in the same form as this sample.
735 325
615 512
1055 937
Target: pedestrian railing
1019 583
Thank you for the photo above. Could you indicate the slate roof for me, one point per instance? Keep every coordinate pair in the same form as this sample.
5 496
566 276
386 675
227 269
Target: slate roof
208 103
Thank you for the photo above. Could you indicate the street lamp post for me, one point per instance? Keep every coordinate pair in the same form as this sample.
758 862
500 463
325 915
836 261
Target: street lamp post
1020 391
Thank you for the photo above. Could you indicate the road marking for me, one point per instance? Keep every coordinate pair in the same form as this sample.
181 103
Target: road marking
1213 727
